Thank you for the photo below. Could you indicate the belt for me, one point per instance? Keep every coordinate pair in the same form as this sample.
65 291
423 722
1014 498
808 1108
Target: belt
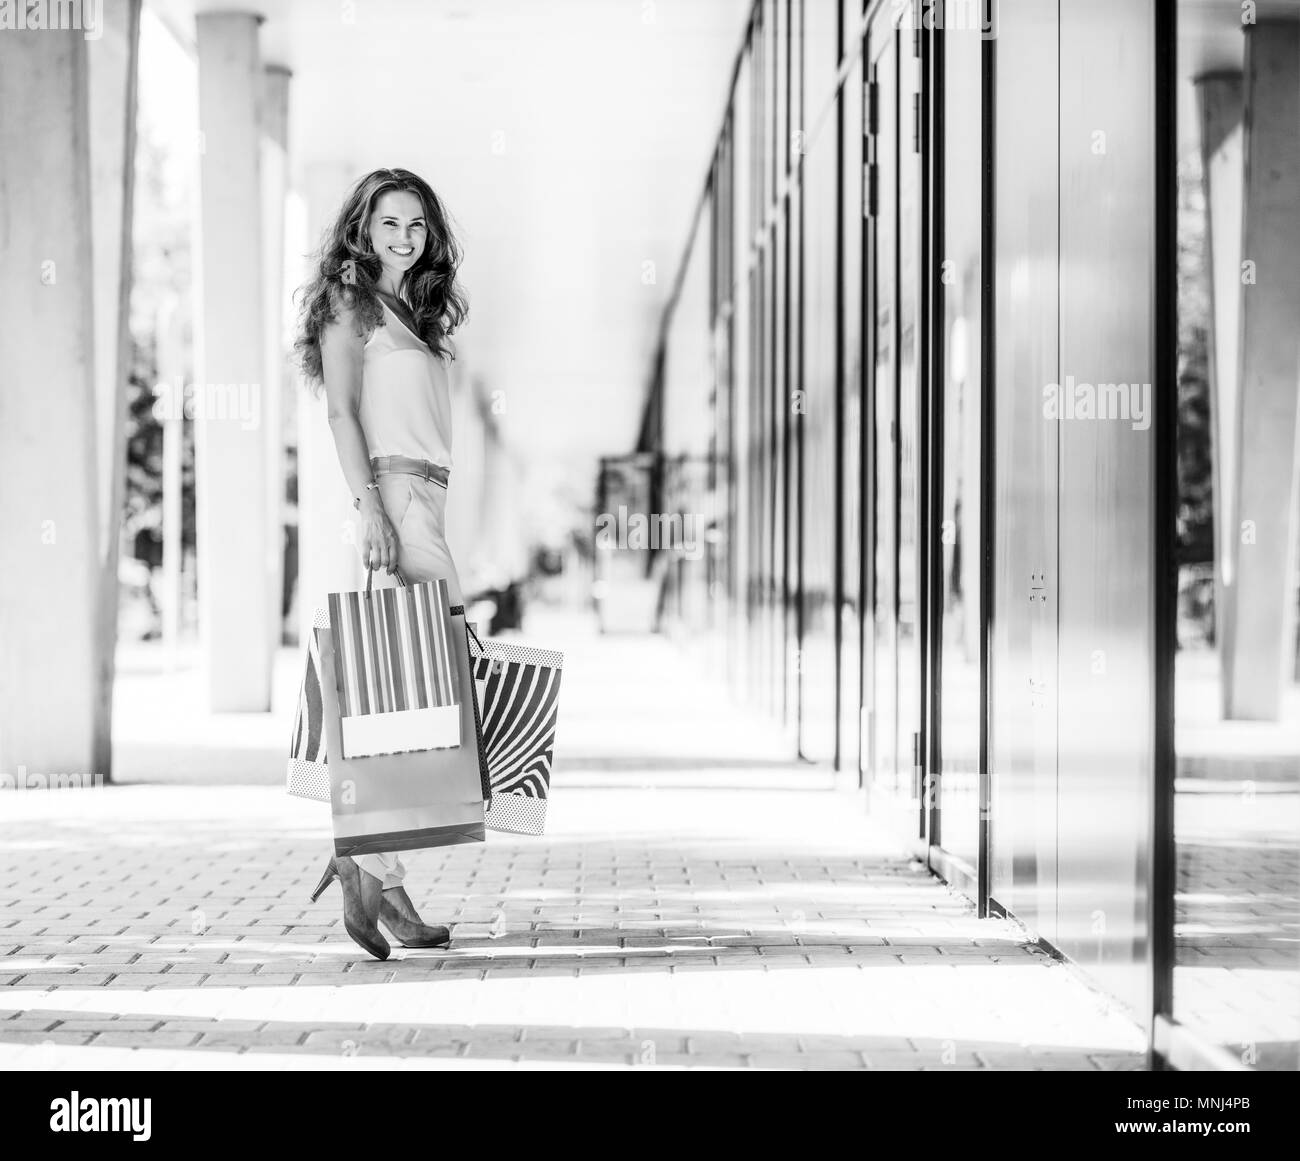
407 466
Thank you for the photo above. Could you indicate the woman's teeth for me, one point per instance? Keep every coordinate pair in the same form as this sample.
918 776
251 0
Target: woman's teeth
403 251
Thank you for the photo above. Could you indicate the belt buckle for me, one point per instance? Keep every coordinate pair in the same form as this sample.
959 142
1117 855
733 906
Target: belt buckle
428 471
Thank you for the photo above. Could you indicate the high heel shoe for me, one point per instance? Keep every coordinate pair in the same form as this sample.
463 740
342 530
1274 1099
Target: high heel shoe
325 880
362 896
398 914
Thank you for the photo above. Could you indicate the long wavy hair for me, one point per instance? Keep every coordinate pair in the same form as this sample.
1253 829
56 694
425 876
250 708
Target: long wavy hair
347 270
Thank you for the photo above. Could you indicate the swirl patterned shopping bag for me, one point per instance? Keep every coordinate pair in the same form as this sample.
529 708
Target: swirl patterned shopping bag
518 690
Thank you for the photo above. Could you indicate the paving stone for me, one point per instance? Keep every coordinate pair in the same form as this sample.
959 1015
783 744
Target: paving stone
52 1036
805 1061
654 925
166 1038
19 1022
703 1060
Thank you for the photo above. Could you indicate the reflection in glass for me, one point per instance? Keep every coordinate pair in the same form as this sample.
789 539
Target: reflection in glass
959 527
884 752
1237 797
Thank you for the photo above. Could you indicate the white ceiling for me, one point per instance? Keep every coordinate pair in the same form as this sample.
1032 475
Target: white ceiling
568 138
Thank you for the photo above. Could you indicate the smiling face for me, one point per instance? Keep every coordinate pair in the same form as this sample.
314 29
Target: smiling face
398 232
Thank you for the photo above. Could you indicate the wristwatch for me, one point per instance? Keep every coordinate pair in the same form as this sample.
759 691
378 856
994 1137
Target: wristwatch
356 500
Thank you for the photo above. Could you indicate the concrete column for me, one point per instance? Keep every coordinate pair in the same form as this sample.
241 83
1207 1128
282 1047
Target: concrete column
1219 98
328 560
275 180
170 358
1258 650
49 526
113 60
229 410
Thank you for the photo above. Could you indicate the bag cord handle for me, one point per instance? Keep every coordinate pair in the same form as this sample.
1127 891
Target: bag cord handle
370 578
476 640
495 658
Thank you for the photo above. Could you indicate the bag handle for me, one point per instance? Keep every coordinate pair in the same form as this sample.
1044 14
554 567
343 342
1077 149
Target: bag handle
497 662
401 580
370 578
476 640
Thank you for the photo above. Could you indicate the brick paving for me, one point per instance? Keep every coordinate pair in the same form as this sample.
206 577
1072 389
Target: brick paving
698 901
1238 921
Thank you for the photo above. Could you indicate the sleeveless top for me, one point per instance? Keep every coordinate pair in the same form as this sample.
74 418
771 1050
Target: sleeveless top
405 395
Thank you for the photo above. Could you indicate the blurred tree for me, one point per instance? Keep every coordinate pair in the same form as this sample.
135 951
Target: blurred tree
1195 541
162 261
1195 436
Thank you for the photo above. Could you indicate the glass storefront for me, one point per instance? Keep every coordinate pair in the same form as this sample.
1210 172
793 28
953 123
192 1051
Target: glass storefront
970 405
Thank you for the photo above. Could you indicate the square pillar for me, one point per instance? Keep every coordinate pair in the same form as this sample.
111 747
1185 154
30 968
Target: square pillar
1259 642
114 69
230 411
1219 100
50 670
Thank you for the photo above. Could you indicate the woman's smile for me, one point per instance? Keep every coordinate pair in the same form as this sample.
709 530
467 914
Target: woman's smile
398 233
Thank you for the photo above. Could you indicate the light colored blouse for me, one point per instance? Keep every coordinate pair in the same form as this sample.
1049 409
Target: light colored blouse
405 395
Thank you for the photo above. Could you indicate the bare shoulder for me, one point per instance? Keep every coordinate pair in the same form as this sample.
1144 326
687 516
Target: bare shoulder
347 329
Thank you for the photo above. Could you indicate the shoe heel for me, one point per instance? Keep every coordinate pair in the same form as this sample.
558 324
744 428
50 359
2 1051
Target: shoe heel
328 877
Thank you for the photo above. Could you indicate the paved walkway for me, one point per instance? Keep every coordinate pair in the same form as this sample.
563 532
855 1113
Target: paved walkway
699 901
1237 817
1236 922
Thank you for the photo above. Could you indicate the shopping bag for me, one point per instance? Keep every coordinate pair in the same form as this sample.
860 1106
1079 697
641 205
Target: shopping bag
396 679
408 800
307 775
518 690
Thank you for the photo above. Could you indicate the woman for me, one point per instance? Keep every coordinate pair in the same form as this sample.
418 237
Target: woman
376 319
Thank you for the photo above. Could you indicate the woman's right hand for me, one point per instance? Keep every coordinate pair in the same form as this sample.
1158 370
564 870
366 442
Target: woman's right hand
378 536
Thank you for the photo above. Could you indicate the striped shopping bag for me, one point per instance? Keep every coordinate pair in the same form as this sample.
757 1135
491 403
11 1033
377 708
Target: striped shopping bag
396 679
307 775
518 688
410 800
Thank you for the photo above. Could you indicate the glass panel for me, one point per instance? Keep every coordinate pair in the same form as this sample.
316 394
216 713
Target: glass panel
1105 649
883 713
781 463
958 535
1237 694
821 33
817 663
794 429
908 419
741 540
850 619
1023 658
795 463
